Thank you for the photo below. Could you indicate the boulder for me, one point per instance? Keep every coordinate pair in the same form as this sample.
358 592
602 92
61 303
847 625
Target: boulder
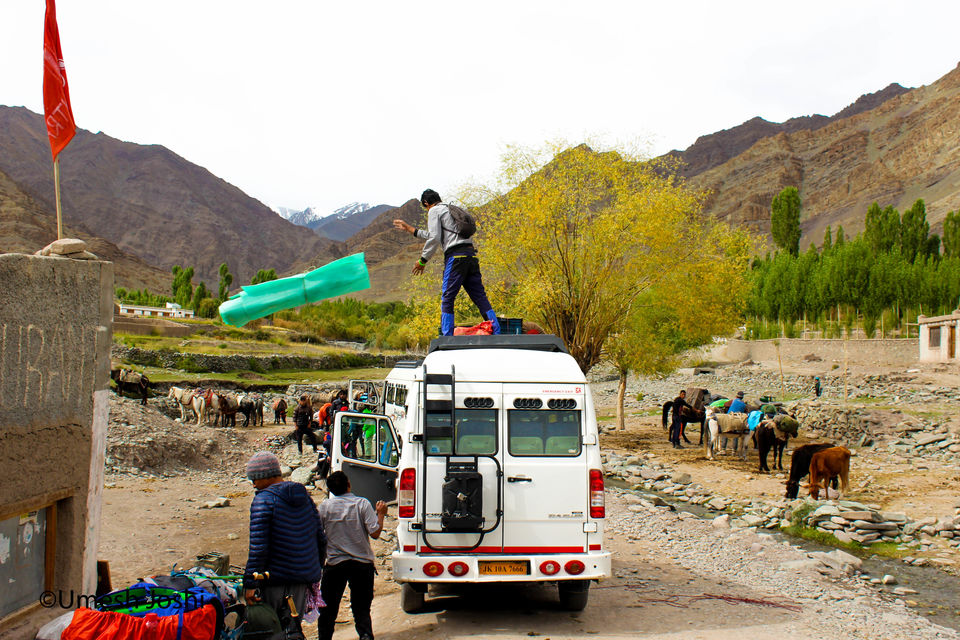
721 522
65 246
303 475
868 516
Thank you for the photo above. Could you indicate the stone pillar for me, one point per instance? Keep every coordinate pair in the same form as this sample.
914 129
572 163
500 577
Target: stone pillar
55 334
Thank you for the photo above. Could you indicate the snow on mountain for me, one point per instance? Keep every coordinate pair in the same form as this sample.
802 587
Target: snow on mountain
338 224
351 209
300 217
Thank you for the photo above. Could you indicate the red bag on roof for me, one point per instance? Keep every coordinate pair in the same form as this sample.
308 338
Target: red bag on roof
485 328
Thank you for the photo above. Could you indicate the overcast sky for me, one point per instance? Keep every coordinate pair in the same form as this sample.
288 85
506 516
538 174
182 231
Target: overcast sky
324 103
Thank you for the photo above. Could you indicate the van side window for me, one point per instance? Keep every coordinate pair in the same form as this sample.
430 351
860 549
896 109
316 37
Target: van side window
358 438
400 398
474 434
543 433
391 393
389 455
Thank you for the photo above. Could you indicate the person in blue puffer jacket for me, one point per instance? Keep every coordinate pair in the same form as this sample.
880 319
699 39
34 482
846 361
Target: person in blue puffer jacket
287 542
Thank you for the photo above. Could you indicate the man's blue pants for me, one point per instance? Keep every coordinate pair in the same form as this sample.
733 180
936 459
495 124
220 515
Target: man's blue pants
463 271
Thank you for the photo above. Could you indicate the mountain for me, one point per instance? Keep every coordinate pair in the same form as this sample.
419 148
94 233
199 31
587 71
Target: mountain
26 226
904 148
714 149
347 221
300 218
154 204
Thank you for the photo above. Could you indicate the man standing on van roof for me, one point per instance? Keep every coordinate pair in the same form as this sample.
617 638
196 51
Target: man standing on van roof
447 228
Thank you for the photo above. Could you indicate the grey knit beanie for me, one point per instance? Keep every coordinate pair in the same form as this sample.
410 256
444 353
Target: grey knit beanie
263 464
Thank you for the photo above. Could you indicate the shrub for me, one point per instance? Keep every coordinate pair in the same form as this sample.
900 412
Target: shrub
188 364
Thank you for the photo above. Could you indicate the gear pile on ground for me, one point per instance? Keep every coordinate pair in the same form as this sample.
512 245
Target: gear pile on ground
143 441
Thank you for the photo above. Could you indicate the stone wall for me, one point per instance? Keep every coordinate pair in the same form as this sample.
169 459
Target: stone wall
201 362
901 352
55 335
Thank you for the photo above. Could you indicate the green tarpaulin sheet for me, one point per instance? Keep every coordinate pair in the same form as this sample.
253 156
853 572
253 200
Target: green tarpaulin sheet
337 278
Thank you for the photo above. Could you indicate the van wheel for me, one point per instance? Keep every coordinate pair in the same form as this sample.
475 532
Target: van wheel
573 594
412 597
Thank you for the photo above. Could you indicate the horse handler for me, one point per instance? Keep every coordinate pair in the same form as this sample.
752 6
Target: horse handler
676 427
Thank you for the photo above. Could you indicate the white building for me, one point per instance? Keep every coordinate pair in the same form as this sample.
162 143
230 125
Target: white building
938 337
172 310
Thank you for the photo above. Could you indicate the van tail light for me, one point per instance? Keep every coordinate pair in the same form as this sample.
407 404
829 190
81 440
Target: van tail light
574 567
549 567
433 569
597 509
407 495
458 569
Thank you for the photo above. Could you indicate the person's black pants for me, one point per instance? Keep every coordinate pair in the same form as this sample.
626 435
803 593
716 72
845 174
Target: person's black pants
675 428
311 439
359 575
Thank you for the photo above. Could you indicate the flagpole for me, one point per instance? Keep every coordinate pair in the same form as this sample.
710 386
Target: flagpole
56 188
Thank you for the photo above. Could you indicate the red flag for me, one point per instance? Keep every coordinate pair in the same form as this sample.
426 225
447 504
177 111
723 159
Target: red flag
56 95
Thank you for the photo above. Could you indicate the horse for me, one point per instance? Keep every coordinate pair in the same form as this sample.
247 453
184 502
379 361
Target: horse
280 411
687 416
125 377
228 409
212 406
774 434
187 398
251 406
729 425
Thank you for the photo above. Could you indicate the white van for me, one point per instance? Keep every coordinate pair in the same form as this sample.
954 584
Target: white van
490 447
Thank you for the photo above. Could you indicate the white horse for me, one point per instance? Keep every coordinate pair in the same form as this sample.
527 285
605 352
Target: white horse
212 409
732 426
187 398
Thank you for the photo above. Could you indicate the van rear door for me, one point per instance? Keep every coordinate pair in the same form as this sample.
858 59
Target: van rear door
366 448
546 485
474 439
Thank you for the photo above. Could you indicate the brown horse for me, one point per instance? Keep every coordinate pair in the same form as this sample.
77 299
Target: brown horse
280 411
125 378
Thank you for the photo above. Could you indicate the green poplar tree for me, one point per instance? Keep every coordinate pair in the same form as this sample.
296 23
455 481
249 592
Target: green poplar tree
226 279
785 220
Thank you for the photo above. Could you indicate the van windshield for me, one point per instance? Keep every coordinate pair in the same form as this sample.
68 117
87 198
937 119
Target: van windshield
543 433
475 433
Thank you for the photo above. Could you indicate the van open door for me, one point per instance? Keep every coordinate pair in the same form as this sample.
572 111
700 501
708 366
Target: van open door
366 448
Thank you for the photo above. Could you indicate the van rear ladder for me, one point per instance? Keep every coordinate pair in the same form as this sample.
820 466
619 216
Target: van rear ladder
462 489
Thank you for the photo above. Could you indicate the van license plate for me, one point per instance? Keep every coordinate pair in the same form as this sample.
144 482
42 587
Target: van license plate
504 567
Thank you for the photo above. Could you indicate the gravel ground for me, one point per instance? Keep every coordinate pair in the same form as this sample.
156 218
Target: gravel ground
832 604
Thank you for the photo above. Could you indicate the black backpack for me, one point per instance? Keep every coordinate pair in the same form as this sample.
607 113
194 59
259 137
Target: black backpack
463 223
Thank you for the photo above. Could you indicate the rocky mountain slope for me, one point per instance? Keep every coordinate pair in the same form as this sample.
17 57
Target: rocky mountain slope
906 148
714 149
153 203
26 226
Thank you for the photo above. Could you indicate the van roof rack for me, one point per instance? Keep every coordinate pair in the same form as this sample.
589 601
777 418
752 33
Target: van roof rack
530 342
408 364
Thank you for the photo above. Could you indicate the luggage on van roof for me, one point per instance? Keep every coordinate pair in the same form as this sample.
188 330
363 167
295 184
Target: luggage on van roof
531 342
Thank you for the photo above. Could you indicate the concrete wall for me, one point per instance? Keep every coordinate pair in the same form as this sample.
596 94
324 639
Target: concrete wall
55 336
902 352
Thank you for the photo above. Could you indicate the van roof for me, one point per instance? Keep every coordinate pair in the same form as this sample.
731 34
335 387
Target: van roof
509 361
531 342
